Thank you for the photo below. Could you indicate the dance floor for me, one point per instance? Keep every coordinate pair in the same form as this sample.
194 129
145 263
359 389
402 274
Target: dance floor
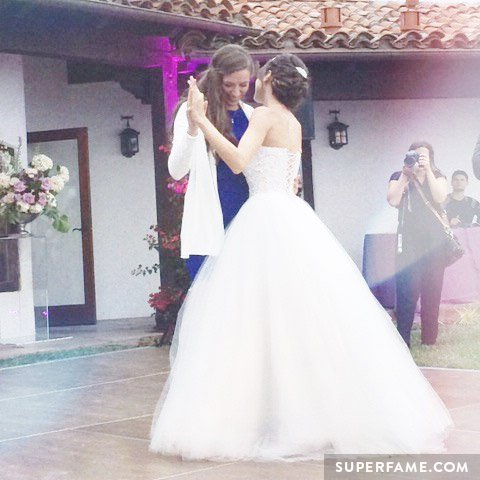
88 419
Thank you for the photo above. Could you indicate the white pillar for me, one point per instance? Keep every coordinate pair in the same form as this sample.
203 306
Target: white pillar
17 319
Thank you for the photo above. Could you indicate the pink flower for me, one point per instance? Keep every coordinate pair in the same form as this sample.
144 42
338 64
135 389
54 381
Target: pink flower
46 185
179 188
19 187
18 197
42 199
29 198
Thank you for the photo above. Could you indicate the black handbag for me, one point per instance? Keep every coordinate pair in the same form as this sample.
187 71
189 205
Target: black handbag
454 250
452 247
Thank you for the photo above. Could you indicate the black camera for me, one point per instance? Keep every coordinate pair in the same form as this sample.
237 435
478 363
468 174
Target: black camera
411 158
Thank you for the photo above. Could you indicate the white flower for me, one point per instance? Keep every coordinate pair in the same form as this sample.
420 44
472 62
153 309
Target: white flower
8 198
4 180
14 181
57 183
51 200
23 207
42 162
37 208
31 172
64 174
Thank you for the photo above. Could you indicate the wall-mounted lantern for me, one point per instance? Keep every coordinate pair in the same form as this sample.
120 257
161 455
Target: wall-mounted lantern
337 132
129 139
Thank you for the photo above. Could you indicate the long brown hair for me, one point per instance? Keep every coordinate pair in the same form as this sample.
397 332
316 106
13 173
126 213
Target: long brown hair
225 61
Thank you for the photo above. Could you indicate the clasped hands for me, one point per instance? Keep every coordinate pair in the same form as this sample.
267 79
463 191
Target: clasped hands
196 106
196 112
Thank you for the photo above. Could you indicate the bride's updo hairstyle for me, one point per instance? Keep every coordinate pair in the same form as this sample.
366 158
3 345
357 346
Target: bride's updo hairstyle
289 79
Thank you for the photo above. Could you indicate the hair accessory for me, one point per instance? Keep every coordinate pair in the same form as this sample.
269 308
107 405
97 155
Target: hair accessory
302 72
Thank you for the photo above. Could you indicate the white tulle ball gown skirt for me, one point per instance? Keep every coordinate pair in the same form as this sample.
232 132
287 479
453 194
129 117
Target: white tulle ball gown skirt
283 353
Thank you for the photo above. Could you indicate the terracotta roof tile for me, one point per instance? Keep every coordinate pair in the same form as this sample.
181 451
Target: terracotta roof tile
226 10
365 24
441 26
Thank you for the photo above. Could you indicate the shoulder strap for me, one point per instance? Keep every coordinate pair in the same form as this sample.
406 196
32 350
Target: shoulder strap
429 205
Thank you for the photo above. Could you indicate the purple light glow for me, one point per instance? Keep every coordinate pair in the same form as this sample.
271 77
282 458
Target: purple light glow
170 86
191 66
164 56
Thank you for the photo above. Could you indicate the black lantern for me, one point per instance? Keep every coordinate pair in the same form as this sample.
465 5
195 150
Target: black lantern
337 132
129 139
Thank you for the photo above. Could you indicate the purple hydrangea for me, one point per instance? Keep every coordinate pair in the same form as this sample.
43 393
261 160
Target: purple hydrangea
19 187
46 184
29 198
42 199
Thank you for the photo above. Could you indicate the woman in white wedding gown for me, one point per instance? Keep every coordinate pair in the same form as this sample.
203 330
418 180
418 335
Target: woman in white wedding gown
283 352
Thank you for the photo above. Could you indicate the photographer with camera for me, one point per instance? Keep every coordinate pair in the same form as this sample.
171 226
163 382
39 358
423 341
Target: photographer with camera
414 190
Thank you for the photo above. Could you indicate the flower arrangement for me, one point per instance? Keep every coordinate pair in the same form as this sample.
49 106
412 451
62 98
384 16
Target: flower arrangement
26 193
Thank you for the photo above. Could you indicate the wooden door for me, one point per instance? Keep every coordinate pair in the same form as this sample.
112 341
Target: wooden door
71 279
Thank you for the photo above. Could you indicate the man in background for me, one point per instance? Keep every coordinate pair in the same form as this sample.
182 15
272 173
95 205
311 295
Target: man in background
461 210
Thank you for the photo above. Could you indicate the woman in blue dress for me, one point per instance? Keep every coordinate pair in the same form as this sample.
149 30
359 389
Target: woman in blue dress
224 84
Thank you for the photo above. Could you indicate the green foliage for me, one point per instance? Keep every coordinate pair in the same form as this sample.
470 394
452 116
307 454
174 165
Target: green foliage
59 222
458 344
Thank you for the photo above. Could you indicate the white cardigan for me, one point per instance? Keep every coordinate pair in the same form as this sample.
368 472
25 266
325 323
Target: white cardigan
202 223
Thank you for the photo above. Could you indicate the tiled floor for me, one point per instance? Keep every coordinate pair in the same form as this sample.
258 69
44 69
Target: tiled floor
88 419
126 331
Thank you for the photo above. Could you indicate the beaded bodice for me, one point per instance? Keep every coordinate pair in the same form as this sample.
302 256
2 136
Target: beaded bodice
273 169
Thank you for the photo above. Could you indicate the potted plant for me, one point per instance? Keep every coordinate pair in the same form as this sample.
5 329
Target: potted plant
167 300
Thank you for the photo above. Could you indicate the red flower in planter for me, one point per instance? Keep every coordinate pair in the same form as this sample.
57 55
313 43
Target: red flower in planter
165 297
170 242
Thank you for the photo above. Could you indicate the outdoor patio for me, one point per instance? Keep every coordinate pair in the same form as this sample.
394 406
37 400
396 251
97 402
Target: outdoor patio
88 418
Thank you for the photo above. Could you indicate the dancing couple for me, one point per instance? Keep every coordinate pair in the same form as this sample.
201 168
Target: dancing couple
280 351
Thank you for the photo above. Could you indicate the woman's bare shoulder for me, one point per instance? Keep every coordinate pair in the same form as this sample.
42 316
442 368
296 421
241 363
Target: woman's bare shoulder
262 110
262 115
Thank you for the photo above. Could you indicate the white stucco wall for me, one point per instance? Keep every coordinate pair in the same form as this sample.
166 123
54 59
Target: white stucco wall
123 190
17 322
350 184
